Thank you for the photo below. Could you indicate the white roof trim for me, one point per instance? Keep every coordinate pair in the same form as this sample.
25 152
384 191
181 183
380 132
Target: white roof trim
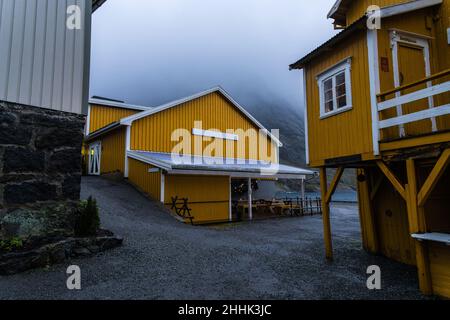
117 104
236 174
408 7
394 10
129 120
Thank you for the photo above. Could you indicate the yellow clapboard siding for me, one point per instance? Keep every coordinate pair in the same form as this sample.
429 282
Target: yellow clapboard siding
347 133
413 22
392 225
439 256
443 53
149 183
101 116
208 195
153 133
113 152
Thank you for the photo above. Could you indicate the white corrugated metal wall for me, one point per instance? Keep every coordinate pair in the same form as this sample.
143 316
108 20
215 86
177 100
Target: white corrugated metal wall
42 62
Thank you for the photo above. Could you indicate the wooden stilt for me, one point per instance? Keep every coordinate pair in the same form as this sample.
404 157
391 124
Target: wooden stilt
326 214
367 214
416 220
327 194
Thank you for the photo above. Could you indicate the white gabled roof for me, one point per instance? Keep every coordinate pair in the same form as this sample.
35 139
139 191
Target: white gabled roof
129 120
117 104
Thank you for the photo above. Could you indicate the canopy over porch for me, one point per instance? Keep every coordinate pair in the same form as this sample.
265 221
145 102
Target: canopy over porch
243 169
236 168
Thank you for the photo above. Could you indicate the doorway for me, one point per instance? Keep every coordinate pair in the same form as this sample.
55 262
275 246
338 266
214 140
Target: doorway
411 59
95 151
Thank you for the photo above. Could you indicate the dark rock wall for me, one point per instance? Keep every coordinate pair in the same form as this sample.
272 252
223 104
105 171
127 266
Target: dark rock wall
40 163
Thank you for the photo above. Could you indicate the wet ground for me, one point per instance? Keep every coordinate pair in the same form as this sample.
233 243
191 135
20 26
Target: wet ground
164 259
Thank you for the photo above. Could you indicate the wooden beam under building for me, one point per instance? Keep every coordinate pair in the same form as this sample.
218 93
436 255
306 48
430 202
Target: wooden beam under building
392 178
433 178
416 219
327 194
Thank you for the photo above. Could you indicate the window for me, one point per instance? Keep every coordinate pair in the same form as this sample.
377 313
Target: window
335 89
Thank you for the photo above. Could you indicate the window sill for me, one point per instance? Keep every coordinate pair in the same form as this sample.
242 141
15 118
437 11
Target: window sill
336 112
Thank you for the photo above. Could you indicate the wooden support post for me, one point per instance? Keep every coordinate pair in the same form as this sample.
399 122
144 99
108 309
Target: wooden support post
326 199
416 218
433 178
366 213
250 200
303 189
334 183
392 178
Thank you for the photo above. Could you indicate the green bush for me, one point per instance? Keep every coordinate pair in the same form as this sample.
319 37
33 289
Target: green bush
88 221
12 244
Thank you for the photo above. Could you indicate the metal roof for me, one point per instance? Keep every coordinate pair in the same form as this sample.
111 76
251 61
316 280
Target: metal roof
102 131
116 104
174 163
357 25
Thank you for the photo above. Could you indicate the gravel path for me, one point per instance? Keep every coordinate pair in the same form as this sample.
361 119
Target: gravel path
165 259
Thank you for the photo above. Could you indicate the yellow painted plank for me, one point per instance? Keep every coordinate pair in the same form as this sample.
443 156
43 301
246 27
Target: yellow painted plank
208 196
153 133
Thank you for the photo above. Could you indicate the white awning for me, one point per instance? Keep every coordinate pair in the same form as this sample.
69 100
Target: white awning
197 165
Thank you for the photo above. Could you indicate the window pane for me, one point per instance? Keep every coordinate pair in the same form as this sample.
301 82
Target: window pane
340 78
342 101
328 84
328 95
329 106
340 90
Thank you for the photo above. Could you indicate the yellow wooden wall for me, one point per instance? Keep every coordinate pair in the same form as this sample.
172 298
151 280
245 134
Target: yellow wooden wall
209 194
414 22
443 52
384 220
348 133
150 183
101 116
113 152
441 35
153 133
439 256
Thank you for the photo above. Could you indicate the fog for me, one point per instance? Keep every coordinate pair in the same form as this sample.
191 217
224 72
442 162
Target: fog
148 52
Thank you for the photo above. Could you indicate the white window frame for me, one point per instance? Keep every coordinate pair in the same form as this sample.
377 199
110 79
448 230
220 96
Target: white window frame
346 66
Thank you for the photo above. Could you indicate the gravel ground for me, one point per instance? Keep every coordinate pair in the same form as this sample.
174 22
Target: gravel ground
164 259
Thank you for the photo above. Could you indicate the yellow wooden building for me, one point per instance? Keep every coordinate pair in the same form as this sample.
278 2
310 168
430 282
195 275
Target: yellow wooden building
377 99
192 148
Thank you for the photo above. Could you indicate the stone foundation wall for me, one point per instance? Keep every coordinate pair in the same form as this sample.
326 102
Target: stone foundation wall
40 169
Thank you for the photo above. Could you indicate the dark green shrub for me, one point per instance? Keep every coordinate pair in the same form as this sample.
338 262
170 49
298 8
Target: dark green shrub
88 221
10 245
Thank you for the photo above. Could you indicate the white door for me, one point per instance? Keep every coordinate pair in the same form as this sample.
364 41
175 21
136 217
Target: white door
95 151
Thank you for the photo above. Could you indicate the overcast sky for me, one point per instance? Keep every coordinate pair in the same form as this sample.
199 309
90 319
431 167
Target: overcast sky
148 52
